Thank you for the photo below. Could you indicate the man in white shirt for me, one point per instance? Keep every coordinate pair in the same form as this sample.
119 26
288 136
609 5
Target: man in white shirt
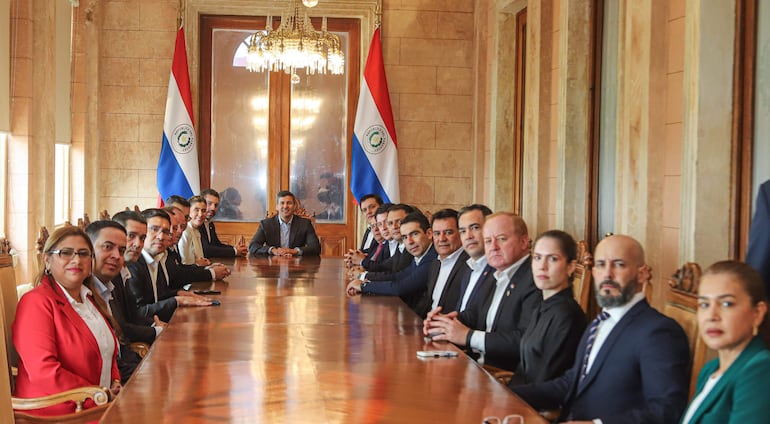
632 365
479 277
493 329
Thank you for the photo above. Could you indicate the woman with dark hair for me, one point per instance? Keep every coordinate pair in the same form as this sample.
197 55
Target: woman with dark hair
549 343
62 332
733 387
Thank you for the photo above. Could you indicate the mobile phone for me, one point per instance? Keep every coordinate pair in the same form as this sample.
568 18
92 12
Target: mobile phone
436 353
207 292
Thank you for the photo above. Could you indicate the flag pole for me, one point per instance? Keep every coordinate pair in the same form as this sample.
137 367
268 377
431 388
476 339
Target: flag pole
179 15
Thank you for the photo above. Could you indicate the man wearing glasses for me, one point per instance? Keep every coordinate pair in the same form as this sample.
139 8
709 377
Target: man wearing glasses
150 282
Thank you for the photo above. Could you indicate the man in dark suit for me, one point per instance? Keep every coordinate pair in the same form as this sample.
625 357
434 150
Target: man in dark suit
136 327
285 234
179 271
493 329
410 283
369 205
479 278
758 252
447 272
151 282
632 365
212 246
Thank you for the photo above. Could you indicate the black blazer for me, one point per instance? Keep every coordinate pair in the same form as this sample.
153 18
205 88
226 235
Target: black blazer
409 284
640 375
140 285
483 287
181 274
301 235
451 294
516 309
758 253
135 327
369 262
213 248
381 271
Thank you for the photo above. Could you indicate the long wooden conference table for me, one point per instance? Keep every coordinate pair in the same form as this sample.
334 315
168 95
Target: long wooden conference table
287 345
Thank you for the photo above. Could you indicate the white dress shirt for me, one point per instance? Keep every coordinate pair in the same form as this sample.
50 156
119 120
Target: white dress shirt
443 275
152 266
477 268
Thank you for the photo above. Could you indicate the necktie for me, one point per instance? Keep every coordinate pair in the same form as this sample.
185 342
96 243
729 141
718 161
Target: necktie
284 234
161 283
592 329
377 252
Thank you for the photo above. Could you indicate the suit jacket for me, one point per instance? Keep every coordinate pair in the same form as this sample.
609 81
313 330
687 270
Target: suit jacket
140 285
409 284
382 271
513 316
301 235
485 286
740 395
212 247
640 375
181 274
369 261
363 241
450 295
758 251
57 350
135 327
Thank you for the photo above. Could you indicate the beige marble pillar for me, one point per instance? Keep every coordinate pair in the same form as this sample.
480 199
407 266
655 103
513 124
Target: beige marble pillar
5 66
574 120
706 166
641 122
92 175
537 116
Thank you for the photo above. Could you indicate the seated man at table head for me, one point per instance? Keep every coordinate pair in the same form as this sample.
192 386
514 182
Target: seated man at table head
212 246
448 270
109 240
189 244
479 278
410 283
151 281
493 328
181 203
285 234
213 272
733 388
62 330
137 327
632 365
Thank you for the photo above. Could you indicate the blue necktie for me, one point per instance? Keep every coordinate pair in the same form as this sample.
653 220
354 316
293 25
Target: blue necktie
590 342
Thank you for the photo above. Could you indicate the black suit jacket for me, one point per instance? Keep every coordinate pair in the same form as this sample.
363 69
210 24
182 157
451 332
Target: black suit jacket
450 295
213 248
382 270
640 375
136 328
516 309
301 235
409 284
140 284
181 274
369 261
758 253
483 288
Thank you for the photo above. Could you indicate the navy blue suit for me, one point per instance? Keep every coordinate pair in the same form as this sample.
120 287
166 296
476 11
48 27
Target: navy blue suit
758 252
450 295
410 283
640 375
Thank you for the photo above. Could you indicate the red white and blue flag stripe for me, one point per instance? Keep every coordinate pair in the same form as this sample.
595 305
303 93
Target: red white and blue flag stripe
178 164
375 153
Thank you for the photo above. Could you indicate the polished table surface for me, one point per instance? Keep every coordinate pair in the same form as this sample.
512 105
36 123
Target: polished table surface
287 345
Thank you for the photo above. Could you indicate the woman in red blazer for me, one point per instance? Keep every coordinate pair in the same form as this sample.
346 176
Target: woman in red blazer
59 349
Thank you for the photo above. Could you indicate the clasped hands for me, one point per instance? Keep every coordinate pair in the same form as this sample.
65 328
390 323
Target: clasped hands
445 327
284 251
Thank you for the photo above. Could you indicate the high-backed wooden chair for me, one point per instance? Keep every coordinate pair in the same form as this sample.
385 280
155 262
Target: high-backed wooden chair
9 359
104 215
681 305
581 278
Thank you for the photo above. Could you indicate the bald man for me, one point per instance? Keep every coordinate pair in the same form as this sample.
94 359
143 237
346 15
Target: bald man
632 365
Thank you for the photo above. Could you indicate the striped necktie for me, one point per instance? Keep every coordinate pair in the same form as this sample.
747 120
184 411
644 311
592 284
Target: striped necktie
590 342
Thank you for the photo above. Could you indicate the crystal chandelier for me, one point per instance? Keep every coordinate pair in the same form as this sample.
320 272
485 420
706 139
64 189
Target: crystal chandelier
295 45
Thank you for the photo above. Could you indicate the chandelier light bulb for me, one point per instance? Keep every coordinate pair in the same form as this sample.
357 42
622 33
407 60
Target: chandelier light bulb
310 3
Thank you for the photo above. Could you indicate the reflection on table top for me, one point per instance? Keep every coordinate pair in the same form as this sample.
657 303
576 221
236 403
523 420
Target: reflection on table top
287 345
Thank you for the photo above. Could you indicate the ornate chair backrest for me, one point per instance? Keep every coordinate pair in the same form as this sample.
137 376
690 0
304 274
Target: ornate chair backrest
42 238
9 301
681 305
104 215
581 278
7 353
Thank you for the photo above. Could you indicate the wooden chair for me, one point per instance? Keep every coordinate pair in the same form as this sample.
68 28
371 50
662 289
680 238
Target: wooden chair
104 215
9 359
581 278
681 305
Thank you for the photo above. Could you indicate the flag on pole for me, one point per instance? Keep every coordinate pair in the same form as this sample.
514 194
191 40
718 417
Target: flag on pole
178 164
375 153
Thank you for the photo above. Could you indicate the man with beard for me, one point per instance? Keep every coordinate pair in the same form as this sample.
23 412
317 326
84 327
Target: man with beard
212 246
632 365
285 234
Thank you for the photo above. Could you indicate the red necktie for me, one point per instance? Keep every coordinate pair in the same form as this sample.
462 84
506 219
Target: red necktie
377 252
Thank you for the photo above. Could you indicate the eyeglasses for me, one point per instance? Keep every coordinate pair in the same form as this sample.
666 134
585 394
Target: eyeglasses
155 230
68 252
109 247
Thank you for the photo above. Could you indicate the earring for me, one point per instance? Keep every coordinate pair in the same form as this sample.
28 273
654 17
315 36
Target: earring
756 330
